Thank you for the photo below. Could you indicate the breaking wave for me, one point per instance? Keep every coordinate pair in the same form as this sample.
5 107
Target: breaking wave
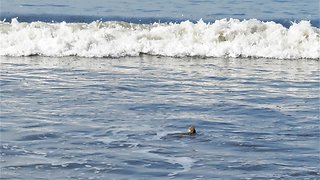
222 38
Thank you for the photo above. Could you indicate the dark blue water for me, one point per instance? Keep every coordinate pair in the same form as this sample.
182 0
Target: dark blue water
144 11
112 118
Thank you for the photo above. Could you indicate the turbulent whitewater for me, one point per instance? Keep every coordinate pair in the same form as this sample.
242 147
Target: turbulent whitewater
222 38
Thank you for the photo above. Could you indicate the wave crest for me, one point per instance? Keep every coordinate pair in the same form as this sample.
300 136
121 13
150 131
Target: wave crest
223 38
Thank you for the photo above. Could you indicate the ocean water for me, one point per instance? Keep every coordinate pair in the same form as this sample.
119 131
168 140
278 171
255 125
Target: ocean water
98 90
165 10
282 29
104 118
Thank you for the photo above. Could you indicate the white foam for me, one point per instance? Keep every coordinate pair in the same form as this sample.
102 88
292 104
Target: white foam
223 38
185 162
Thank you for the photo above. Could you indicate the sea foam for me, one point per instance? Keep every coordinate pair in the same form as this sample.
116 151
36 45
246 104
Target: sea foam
222 38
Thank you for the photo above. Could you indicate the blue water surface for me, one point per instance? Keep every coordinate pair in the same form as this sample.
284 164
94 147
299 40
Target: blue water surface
87 118
144 11
105 118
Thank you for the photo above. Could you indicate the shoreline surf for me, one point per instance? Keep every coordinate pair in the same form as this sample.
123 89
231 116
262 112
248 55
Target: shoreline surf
223 38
